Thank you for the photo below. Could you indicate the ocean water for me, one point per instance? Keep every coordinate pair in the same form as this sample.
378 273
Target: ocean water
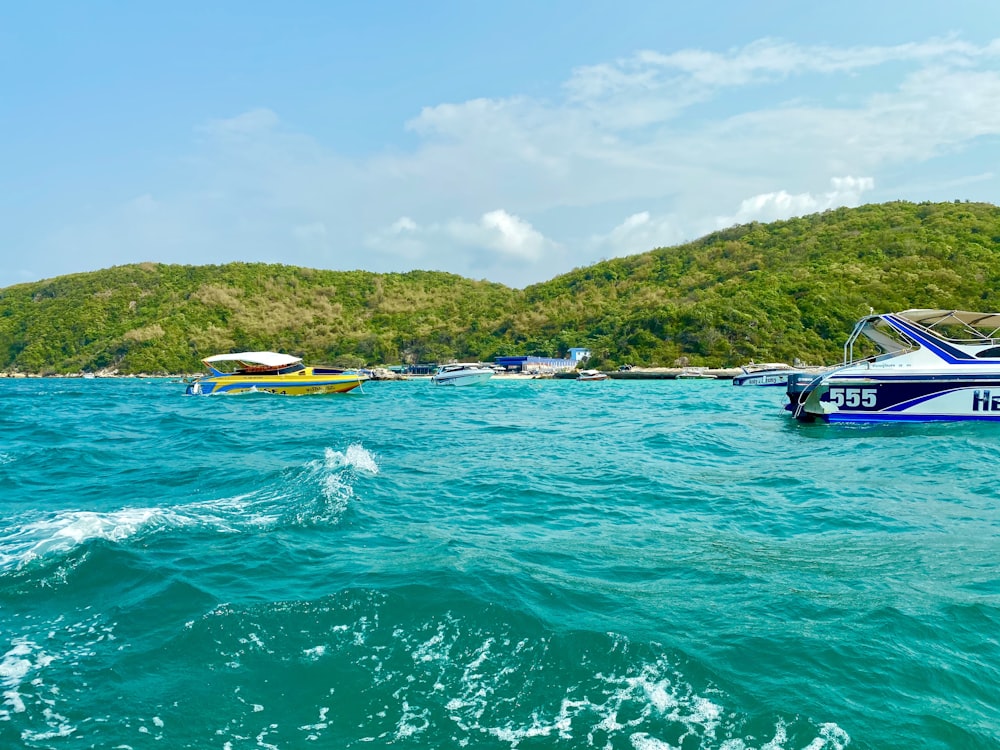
525 564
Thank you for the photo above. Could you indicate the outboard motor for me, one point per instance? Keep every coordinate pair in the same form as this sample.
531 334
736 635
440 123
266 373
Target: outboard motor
798 383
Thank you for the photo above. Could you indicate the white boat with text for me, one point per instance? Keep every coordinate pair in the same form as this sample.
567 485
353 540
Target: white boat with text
765 374
592 375
909 366
462 373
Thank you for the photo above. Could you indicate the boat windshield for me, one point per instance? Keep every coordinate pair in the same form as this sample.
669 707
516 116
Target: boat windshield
873 339
248 369
265 370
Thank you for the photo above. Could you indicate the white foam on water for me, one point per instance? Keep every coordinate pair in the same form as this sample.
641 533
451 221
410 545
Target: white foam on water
26 539
23 659
831 737
649 706
412 721
25 679
324 711
335 476
58 725
316 652
20 668
356 457
641 741
339 469
780 738
61 532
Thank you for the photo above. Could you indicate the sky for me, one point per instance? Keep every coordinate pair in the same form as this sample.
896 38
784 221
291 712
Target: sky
507 141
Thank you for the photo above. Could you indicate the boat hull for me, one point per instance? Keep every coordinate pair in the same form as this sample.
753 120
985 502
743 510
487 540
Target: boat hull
911 398
777 378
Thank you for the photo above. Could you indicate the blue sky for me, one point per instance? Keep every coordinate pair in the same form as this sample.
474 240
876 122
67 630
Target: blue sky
508 141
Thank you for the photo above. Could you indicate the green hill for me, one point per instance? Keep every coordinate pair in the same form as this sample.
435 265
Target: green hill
164 318
780 291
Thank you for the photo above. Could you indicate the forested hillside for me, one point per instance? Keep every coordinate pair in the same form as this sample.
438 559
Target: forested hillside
164 318
781 291
778 291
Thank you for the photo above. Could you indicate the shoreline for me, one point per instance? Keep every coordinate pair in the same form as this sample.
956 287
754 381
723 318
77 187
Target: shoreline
636 373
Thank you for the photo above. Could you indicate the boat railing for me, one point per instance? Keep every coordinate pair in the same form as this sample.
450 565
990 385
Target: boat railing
980 329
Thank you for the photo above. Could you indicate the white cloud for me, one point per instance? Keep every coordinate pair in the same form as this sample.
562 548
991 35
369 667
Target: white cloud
510 235
758 62
846 191
643 231
471 247
403 224
637 234
253 122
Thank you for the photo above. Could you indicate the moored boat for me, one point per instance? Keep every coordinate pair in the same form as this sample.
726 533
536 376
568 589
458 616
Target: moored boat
462 373
592 375
695 373
914 365
270 372
770 374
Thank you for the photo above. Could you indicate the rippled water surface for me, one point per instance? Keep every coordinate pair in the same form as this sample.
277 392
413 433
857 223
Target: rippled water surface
525 564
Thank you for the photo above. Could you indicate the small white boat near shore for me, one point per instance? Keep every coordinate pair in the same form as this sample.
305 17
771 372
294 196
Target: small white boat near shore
462 373
592 375
695 373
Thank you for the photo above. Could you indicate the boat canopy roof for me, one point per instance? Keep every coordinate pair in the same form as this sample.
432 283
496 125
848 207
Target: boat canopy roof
267 359
464 366
928 318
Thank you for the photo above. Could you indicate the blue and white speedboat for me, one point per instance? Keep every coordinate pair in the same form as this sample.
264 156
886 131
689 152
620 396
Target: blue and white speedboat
910 366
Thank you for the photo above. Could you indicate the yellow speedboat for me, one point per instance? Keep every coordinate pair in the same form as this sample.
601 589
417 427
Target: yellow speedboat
270 372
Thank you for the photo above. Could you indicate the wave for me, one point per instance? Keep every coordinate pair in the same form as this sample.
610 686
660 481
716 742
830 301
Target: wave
317 494
366 667
440 669
32 674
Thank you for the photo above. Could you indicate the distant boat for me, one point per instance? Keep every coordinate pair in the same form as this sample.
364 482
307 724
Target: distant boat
270 372
773 373
695 373
592 375
462 373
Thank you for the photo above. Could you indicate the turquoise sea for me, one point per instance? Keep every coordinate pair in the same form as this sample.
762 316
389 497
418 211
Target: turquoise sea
525 564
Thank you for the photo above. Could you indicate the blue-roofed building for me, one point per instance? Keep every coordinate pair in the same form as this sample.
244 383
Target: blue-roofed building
579 354
534 364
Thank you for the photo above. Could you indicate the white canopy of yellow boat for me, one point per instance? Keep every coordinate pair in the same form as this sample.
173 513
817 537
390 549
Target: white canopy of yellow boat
250 359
